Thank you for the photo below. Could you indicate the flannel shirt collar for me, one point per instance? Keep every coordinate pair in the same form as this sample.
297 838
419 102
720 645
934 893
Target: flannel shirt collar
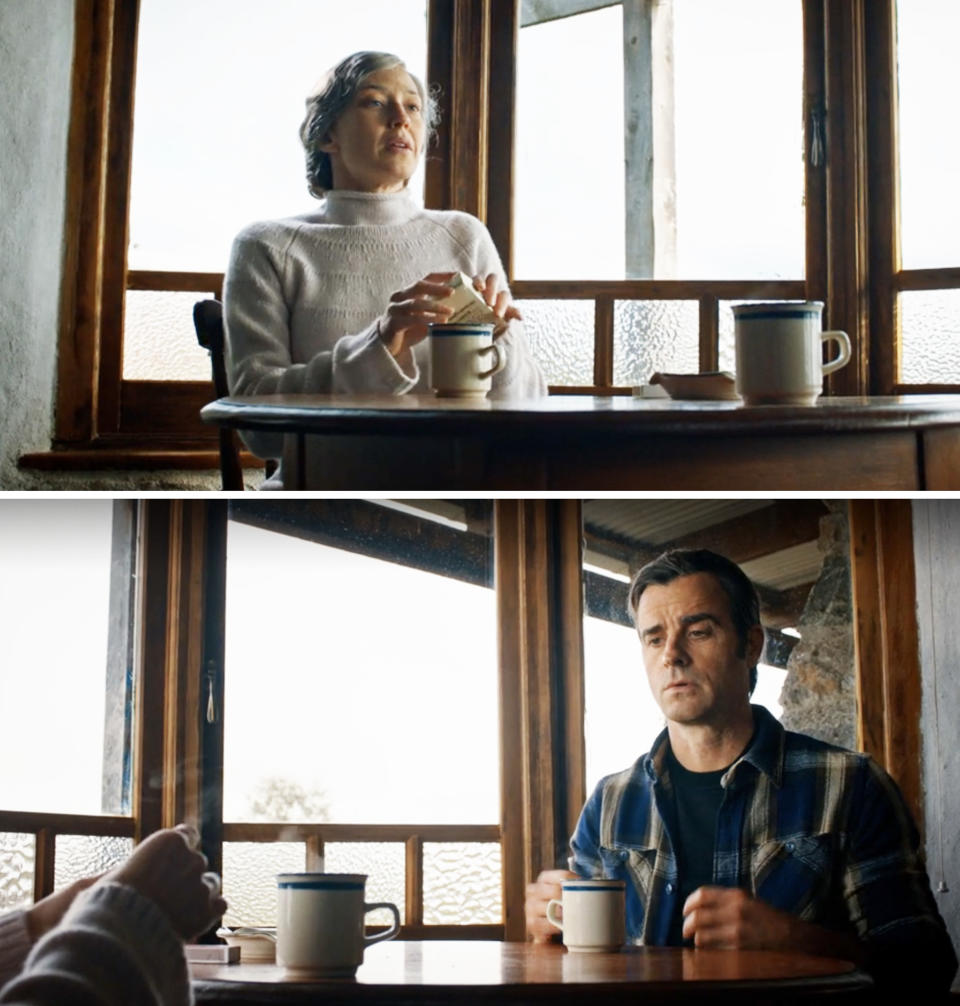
765 753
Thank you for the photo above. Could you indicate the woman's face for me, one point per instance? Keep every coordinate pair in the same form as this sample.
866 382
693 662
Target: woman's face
376 143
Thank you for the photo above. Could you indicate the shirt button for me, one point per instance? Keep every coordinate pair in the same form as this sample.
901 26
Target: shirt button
669 888
624 855
791 846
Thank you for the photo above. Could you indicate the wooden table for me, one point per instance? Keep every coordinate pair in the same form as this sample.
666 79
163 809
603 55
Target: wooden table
471 972
577 443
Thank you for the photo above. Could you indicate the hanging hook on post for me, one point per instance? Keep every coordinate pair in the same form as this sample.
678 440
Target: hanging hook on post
211 705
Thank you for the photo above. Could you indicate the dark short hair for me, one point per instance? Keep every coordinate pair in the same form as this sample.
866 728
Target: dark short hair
333 95
677 562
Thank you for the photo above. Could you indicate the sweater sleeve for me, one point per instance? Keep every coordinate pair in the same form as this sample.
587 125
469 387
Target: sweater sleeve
114 947
14 944
258 345
521 377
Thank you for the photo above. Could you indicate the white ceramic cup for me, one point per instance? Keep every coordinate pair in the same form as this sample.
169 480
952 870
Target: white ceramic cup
463 359
778 354
593 918
320 923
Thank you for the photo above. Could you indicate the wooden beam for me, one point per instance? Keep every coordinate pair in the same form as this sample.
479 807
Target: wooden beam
847 305
540 11
883 172
781 525
886 641
541 706
377 531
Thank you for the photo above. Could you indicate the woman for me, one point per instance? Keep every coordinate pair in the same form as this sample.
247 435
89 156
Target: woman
120 941
339 300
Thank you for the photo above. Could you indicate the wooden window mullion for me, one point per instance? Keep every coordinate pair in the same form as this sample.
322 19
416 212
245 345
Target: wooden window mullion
413 855
603 342
44 862
709 332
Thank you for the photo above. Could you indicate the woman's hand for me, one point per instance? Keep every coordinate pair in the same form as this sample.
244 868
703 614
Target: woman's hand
499 300
412 310
168 868
48 912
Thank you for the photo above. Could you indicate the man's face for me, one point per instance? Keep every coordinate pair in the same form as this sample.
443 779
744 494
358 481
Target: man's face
696 668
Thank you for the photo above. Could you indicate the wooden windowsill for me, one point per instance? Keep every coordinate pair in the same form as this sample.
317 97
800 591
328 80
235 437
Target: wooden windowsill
129 457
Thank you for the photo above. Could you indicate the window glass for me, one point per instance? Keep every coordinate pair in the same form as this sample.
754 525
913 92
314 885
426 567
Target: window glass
361 670
65 589
220 91
654 335
929 146
561 338
682 159
930 336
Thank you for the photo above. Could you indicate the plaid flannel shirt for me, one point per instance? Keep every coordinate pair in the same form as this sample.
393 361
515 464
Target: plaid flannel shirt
811 829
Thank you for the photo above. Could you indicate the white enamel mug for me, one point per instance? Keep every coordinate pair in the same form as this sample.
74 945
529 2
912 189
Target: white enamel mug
463 359
593 919
778 354
320 923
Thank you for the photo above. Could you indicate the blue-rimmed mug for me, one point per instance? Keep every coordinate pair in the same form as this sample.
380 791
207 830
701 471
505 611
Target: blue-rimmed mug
463 359
591 915
779 360
320 923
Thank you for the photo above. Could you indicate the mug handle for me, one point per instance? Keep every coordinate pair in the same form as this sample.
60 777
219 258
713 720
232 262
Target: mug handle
843 357
387 934
501 359
552 916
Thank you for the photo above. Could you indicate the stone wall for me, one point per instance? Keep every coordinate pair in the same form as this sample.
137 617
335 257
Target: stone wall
819 693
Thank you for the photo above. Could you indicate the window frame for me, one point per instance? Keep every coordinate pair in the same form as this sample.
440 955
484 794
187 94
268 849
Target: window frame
849 60
538 557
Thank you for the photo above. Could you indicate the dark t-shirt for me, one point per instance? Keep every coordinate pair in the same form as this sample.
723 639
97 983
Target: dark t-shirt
696 798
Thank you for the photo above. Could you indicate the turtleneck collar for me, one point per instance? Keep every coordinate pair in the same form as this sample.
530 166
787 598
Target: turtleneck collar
370 209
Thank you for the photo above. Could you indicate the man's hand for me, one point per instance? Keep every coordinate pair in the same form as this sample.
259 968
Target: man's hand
729 918
545 887
167 868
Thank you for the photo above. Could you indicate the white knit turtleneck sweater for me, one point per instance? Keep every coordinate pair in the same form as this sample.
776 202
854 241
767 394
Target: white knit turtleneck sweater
303 296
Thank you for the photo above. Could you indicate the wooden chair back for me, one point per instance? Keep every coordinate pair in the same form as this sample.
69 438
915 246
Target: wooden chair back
208 321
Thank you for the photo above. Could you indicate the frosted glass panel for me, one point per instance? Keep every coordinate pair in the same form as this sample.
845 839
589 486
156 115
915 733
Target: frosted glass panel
927 33
930 327
382 862
85 855
561 338
159 340
17 859
250 879
215 144
461 883
652 335
379 665
568 216
728 356
55 568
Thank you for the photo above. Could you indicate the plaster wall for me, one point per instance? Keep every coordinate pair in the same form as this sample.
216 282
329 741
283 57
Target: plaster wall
936 532
36 57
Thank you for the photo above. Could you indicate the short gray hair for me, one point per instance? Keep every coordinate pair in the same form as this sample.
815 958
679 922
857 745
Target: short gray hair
333 95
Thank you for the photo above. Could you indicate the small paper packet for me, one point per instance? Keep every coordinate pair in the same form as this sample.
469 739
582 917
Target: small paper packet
469 307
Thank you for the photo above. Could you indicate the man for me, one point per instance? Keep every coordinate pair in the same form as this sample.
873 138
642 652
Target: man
733 832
